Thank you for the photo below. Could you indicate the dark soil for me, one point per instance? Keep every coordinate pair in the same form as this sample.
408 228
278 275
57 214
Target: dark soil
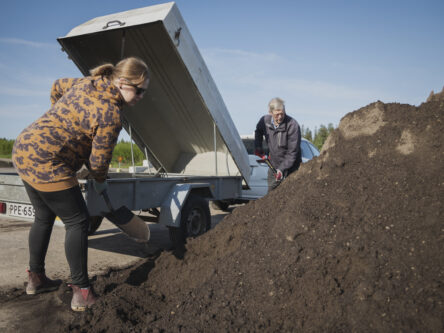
352 242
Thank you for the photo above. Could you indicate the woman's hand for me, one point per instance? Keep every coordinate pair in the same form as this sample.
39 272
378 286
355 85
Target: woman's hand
100 187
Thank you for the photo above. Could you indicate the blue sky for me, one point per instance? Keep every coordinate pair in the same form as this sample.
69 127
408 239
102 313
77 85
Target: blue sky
324 58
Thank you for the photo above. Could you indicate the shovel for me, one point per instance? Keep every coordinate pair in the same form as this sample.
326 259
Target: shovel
126 221
266 160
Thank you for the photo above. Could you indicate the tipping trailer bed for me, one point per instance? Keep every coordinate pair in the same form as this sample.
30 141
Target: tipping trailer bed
182 124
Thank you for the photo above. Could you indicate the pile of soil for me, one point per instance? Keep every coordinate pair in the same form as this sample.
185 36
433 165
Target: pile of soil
353 241
436 96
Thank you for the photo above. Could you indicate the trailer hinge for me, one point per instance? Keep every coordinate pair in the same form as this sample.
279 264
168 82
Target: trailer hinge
177 36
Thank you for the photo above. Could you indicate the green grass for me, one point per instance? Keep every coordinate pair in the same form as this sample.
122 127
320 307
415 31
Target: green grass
5 156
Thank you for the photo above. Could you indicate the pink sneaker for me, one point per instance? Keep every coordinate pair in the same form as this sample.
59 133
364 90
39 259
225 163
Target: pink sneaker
82 298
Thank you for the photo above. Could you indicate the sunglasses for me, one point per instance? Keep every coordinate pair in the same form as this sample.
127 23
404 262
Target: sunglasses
139 90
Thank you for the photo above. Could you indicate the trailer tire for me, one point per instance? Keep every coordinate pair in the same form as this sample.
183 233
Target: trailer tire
94 224
221 205
194 221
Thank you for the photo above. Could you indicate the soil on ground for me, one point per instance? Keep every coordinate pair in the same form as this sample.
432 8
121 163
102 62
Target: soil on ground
351 242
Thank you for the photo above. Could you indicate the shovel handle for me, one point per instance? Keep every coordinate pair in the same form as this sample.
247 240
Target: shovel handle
107 201
267 161
271 167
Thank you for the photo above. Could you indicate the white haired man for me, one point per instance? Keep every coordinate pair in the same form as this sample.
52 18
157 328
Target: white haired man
283 136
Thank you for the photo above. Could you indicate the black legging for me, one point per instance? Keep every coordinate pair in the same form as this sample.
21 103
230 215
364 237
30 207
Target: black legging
70 206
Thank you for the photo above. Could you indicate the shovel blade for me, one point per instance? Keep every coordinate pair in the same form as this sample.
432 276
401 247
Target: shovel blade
120 216
137 229
130 224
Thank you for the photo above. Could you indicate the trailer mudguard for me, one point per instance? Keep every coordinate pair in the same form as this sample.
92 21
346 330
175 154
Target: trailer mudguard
170 212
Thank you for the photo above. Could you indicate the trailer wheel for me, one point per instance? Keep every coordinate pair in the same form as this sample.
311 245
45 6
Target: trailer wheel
94 224
195 220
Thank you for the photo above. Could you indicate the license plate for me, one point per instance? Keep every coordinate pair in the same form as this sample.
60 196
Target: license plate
21 210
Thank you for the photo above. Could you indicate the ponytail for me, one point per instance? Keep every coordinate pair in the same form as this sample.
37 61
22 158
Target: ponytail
103 70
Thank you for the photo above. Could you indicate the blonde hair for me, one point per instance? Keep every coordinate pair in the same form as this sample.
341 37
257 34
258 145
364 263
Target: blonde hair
132 69
276 104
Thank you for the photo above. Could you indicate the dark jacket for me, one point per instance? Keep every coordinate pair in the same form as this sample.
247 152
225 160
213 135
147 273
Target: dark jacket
284 142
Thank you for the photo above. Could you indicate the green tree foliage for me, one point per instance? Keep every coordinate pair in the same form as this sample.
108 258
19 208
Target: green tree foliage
123 149
6 147
306 133
320 135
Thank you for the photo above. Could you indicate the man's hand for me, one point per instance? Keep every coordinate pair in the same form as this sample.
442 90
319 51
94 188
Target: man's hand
259 153
100 187
278 175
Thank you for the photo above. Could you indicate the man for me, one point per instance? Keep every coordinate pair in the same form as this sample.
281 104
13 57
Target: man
283 136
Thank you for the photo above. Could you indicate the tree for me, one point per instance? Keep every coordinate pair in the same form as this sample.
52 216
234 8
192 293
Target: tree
306 133
322 134
123 149
6 147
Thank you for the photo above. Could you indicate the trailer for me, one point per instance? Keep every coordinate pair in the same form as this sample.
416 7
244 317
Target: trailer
182 125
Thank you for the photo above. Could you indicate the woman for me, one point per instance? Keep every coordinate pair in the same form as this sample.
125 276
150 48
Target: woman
81 127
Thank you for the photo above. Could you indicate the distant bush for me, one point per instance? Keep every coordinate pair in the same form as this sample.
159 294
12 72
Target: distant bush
123 150
6 147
